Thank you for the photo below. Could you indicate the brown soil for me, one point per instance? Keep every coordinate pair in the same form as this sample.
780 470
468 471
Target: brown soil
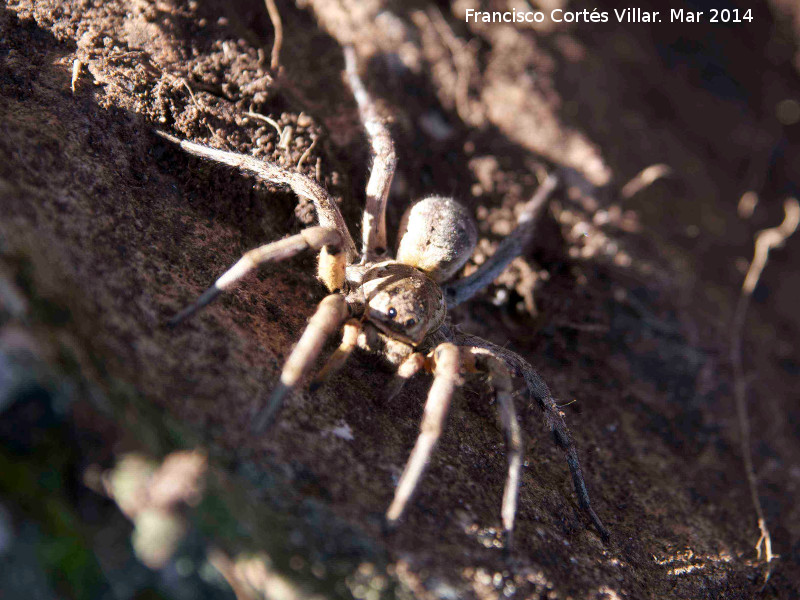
624 306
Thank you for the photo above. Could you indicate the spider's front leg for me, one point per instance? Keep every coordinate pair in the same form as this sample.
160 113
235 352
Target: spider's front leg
383 166
328 213
326 321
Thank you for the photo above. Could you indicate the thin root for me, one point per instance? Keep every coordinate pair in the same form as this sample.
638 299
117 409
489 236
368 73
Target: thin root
765 241
277 25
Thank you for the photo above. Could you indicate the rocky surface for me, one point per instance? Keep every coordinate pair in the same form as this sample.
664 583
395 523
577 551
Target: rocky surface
624 304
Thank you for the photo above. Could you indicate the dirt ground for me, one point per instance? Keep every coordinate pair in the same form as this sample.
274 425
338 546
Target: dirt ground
624 304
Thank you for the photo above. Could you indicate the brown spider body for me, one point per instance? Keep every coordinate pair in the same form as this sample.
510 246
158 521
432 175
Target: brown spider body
400 301
397 307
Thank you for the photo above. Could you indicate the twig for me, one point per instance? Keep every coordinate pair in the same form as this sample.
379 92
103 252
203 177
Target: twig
185 83
77 65
765 241
305 154
588 327
277 25
747 204
266 119
286 138
644 178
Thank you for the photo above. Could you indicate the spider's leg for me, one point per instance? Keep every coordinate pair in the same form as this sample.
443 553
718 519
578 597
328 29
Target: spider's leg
563 440
447 362
313 238
407 369
500 380
328 213
330 314
539 391
383 166
350 333
512 246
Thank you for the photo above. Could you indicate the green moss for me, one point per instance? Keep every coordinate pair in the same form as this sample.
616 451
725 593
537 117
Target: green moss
64 549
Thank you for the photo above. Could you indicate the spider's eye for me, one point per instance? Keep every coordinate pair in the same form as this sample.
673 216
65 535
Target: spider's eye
411 322
392 313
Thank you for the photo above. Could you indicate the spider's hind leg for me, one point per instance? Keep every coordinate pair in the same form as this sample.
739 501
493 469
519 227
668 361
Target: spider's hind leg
500 380
539 391
331 268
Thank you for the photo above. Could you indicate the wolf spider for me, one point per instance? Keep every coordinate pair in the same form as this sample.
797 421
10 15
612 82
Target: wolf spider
397 307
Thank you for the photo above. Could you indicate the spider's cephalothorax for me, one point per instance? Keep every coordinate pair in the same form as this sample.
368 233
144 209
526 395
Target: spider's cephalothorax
397 307
400 302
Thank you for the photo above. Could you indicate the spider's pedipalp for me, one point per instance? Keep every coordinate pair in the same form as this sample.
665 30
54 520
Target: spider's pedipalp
500 380
412 365
330 314
383 166
313 238
328 213
538 390
447 362
511 247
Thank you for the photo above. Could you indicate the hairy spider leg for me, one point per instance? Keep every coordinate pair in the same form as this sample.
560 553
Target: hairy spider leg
446 365
448 360
330 314
500 381
512 246
383 166
539 391
339 357
331 266
328 213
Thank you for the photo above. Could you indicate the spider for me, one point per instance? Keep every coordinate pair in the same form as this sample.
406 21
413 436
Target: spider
397 307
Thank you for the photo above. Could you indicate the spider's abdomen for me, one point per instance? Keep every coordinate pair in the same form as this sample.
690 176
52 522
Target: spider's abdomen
437 236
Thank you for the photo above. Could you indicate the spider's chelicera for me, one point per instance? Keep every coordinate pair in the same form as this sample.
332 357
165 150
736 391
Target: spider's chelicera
397 307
